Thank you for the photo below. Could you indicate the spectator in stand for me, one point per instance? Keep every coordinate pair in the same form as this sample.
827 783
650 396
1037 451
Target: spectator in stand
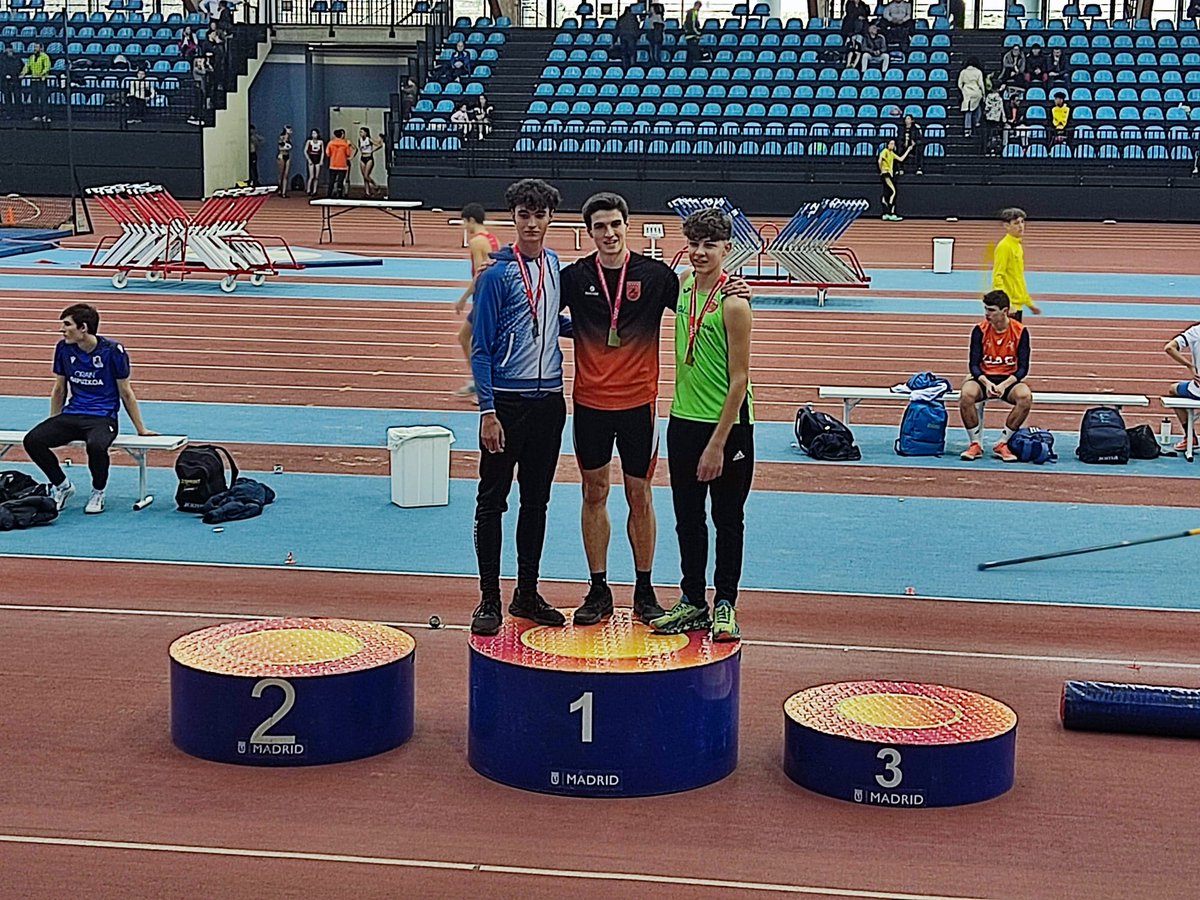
691 33
459 65
481 117
188 45
1014 116
139 92
200 91
213 46
1057 70
958 14
314 155
897 23
211 9
658 26
461 120
970 84
1012 65
283 158
10 82
408 96
255 141
854 26
912 141
37 68
993 121
1035 67
874 50
225 18
628 30
1060 120
339 152
1193 12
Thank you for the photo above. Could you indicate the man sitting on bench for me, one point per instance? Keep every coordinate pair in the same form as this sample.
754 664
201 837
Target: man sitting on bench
999 364
94 371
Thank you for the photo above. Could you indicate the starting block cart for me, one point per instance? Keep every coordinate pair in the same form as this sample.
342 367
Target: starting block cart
159 239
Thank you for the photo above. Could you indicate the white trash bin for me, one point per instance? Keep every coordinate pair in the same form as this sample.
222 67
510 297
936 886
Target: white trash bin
420 465
943 256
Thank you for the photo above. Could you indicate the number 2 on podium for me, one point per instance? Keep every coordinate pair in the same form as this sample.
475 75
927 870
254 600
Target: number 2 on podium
584 705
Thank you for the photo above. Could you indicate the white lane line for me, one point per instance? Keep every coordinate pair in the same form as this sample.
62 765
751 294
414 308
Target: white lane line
749 642
484 868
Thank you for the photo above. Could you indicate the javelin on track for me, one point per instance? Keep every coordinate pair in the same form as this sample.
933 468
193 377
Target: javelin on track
1150 540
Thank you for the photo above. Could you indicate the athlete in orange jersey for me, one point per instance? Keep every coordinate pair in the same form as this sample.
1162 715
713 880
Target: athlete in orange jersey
999 364
480 243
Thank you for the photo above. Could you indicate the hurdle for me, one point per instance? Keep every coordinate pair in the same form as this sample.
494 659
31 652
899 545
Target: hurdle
159 238
747 242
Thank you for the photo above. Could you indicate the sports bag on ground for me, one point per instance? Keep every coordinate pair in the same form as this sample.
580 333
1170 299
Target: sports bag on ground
201 474
1035 445
15 484
1143 443
27 511
822 436
1102 437
923 429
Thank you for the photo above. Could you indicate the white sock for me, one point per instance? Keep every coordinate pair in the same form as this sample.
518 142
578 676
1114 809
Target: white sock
975 435
1005 434
66 483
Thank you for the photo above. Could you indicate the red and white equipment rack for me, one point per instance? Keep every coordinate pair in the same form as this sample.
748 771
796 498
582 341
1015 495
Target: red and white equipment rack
159 239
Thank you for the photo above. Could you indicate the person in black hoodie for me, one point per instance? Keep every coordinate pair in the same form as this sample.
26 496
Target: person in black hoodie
10 82
628 29
912 138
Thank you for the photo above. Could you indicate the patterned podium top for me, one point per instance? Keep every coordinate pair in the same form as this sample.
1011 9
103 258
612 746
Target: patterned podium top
900 712
291 647
618 645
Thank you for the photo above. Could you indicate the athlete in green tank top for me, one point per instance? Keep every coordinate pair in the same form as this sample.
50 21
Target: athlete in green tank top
710 436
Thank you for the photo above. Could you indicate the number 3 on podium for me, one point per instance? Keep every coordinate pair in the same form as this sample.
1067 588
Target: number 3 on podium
584 705
891 775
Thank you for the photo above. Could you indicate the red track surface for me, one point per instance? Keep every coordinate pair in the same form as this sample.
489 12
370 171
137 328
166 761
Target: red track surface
84 714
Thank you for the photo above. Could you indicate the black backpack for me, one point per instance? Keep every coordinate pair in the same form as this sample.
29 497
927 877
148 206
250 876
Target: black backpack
14 485
27 511
1143 443
201 474
822 436
1102 437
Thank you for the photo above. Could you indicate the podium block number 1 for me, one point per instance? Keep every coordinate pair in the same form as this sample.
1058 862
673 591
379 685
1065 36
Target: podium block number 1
584 706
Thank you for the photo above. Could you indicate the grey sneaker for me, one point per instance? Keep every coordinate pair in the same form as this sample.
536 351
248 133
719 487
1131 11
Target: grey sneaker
684 616
95 504
60 494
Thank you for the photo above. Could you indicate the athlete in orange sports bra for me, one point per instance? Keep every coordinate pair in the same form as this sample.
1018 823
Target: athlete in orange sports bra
480 244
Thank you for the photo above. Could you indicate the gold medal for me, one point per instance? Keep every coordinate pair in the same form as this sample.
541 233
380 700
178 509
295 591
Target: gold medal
614 340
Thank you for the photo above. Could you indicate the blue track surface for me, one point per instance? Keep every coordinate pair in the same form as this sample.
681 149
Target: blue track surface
239 423
820 542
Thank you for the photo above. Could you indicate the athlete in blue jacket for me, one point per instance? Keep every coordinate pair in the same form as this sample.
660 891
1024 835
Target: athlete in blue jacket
517 365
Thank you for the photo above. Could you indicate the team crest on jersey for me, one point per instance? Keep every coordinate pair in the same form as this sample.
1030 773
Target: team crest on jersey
633 291
97 362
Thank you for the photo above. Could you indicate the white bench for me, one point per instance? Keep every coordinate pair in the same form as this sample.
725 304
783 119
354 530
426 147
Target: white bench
578 227
852 396
333 207
136 445
1191 406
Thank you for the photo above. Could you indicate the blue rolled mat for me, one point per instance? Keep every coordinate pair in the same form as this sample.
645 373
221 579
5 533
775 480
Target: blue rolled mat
1131 708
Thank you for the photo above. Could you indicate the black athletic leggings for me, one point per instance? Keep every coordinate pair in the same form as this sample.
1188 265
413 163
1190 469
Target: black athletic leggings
337 182
98 432
686 441
532 440
889 194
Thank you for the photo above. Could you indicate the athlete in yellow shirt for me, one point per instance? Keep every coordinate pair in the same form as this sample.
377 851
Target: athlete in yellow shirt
1008 264
888 157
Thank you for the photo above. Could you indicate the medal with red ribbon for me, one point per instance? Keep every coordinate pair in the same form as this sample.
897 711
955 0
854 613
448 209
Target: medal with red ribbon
534 299
614 308
696 317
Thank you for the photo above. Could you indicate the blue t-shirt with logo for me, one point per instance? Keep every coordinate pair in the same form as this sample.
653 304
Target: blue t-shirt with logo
92 377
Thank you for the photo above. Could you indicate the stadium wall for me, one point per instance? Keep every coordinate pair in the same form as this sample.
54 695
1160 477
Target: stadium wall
1150 200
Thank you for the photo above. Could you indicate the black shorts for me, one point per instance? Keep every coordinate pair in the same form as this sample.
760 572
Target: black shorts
996 379
635 432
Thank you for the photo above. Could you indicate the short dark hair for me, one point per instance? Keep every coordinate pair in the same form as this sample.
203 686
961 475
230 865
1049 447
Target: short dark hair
1011 214
474 212
708 225
533 194
82 315
998 299
340 133
603 202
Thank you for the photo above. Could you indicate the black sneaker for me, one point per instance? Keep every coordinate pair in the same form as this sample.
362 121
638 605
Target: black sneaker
537 609
645 605
486 619
597 606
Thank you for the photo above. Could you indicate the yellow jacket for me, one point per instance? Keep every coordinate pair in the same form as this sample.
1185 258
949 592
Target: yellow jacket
37 66
1008 272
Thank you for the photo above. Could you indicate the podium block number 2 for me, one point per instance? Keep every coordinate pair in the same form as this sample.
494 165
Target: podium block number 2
584 706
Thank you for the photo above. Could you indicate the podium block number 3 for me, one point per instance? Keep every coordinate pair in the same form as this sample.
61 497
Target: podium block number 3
584 706
891 775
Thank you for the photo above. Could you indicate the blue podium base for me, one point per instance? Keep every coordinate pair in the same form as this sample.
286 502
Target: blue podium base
291 692
605 711
884 743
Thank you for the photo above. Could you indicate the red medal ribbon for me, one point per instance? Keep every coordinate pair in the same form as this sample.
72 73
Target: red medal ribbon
695 320
533 299
614 310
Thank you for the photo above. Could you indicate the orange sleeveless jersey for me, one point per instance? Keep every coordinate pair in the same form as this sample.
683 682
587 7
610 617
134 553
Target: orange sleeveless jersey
1000 348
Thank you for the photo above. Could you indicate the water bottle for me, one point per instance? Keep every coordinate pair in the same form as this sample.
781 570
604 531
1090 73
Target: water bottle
1164 431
